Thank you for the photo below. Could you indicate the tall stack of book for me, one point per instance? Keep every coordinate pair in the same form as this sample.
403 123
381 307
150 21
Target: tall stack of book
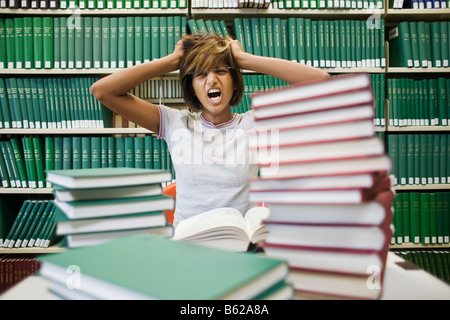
319 158
148 267
100 204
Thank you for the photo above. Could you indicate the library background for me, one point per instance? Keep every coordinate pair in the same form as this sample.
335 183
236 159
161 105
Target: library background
51 51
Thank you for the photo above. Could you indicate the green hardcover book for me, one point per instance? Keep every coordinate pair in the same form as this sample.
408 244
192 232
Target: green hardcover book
48 44
433 218
192 26
18 42
28 42
256 36
155 38
114 38
8 165
138 40
415 217
56 43
442 101
35 103
4 176
85 153
443 145
95 152
76 152
28 150
63 30
39 159
29 103
47 230
436 158
11 95
120 152
256 275
106 42
414 33
3 58
314 44
58 155
201 26
177 31
104 152
148 152
49 160
425 218
406 217
238 30
129 152
422 43
402 159
146 39
67 153
4 105
111 152
398 218
97 42
20 82
71 46
263 36
163 36
19 157
400 46
170 34
139 152
440 216
129 41
10 43
410 157
435 35
88 24
321 43
444 44
157 159
277 40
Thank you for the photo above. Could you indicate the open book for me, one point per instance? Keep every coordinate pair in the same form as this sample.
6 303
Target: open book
224 228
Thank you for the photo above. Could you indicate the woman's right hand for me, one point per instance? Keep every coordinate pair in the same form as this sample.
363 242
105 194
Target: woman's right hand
178 51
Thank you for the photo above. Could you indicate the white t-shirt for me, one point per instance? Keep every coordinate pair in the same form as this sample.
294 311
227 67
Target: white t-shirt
212 163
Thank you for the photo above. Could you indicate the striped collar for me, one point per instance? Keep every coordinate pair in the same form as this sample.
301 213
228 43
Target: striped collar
220 125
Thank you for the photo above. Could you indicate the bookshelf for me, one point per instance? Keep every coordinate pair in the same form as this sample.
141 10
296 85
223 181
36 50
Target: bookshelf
390 16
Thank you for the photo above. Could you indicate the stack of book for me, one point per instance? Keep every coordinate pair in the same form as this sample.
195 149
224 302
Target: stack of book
319 160
144 266
100 204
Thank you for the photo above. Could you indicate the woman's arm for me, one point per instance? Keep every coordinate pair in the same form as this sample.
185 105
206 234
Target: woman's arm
289 71
113 90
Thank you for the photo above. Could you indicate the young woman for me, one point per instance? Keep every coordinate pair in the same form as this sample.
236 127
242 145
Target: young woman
208 142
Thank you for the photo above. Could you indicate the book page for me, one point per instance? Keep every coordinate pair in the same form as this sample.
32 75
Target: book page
254 218
213 219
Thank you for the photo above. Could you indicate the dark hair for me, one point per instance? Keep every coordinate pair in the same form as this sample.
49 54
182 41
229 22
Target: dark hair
203 52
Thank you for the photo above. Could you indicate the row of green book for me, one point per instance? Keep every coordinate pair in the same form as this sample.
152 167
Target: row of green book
208 26
15 268
94 4
86 42
423 102
420 158
25 160
419 4
34 225
320 43
419 44
51 103
436 262
327 4
421 217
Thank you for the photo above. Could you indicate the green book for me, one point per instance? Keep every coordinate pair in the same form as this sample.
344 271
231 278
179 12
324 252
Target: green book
49 160
155 38
25 236
398 218
63 32
8 165
114 38
48 44
445 50
256 274
106 42
138 40
415 217
97 42
4 105
400 54
58 156
422 44
19 157
425 218
3 59
10 43
20 85
13 102
15 169
4 176
414 36
111 152
163 41
28 42
35 103
88 24
402 159
120 152
129 152
43 239
148 152
30 161
146 39
436 53
39 160
256 36
18 42
85 155
433 218
95 152
129 41
56 43
67 153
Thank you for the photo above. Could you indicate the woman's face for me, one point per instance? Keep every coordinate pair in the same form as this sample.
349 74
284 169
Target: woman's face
214 89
